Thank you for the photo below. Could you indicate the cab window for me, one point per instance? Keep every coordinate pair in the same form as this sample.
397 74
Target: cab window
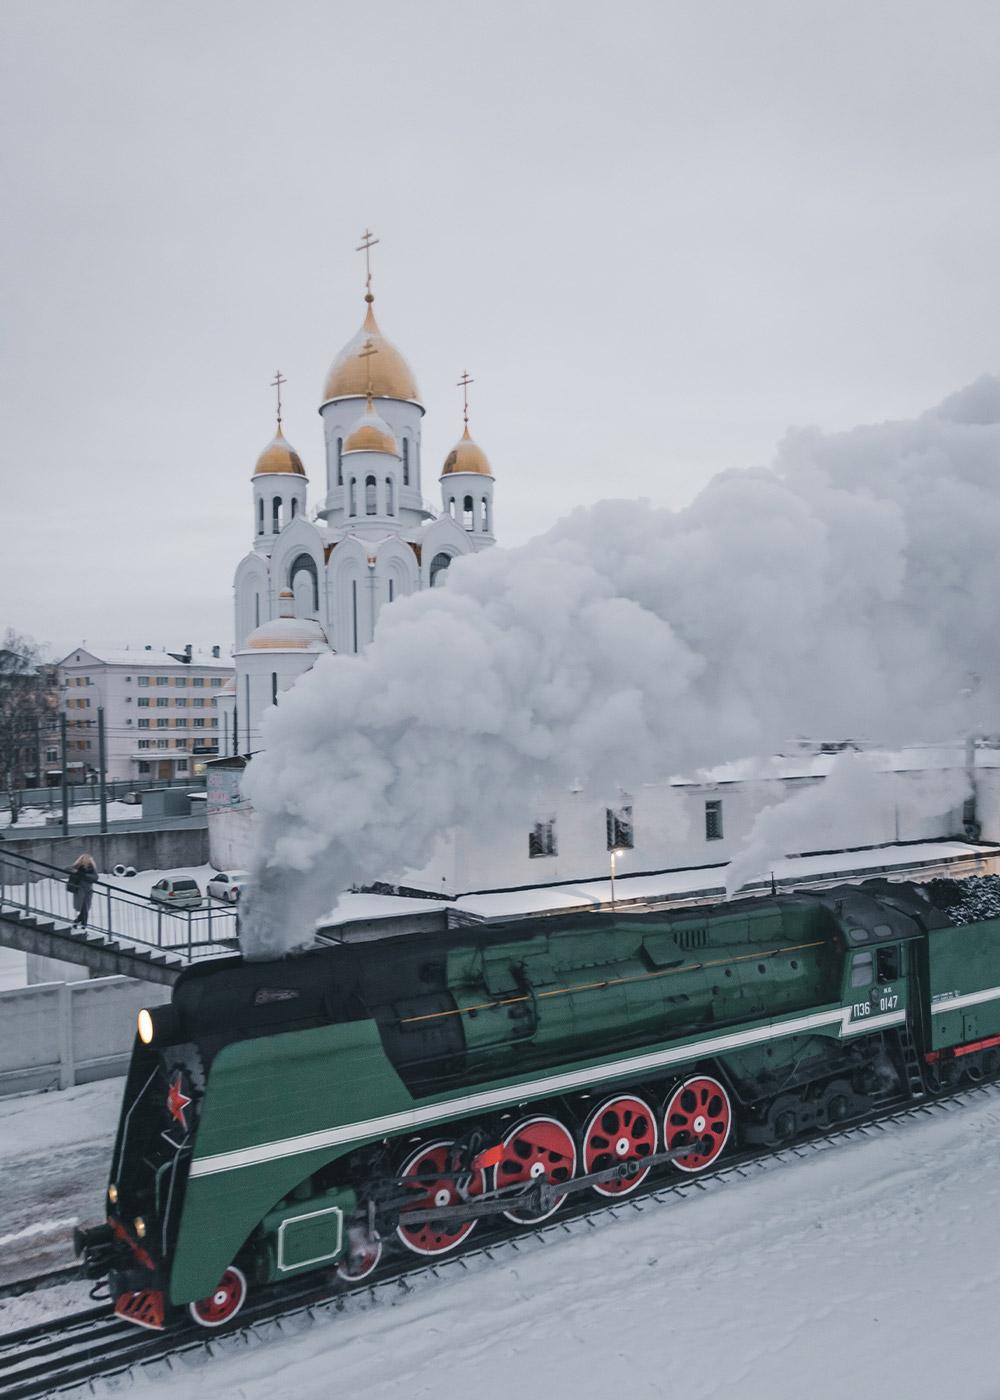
887 964
862 969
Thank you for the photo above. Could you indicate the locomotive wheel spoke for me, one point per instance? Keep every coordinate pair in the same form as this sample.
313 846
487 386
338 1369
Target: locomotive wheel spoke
536 1149
362 1258
620 1130
224 1302
432 1163
699 1110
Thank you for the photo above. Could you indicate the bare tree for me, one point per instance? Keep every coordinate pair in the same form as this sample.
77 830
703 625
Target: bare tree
27 704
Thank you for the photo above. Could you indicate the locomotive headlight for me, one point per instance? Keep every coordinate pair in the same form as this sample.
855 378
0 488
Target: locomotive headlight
140 1227
145 1027
113 1194
158 1025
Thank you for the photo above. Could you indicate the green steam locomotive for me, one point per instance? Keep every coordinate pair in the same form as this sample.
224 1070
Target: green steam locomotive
307 1114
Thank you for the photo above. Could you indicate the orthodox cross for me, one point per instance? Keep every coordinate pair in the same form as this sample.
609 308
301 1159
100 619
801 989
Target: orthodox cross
276 383
463 384
368 241
370 349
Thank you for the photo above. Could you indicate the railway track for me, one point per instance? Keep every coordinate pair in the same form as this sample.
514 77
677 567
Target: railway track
79 1351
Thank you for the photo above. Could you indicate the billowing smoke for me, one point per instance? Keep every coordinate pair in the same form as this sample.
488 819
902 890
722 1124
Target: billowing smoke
847 592
828 816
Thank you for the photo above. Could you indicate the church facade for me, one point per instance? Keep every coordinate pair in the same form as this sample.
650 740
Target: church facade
319 572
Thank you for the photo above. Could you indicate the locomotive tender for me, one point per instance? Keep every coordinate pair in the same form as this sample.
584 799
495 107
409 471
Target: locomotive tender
297 1115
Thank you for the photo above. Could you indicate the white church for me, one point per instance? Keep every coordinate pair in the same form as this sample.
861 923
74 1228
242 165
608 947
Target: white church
316 583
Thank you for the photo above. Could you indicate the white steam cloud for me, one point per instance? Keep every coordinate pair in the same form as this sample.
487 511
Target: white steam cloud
848 592
828 816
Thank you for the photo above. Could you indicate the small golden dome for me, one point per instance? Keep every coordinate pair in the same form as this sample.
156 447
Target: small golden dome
371 434
466 456
391 376
288 632
279 456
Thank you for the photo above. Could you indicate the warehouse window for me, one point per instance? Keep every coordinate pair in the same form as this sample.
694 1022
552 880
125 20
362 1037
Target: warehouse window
713 820
619 828
542 839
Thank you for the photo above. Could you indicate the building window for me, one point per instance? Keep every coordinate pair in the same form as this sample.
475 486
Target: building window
213 723
200 702
486 515
144 724
163 724
354 610
256 609
371 507
163 680
542 839
145 744
163 743
144 680
274 693
295 506
215 682
390 503
451 507
468 514
392 589
439 567
180 681
143 702
713 820
199 724
162 701
260 516
352 508
182 765
143 767
181 703
303 563
276 515
406 461
198 680
619 828
340 461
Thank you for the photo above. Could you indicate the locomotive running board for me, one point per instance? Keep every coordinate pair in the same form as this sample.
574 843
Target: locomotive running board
539 1198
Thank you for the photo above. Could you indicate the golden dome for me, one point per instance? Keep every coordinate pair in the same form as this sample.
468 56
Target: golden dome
279 456
466 456
371 434
287 632
391 376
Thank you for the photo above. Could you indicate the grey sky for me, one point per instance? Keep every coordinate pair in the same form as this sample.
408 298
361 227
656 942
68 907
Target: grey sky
656 235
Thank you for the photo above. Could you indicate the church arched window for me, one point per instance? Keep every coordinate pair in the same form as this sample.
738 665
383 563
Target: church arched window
371 506
260 516
439 567
353 506
486 515
468 514
304 583
274 687
340 461
276 514
451 507
406 461
295 506
390 497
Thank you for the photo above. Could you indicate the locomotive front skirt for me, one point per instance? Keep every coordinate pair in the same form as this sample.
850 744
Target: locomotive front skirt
304 1114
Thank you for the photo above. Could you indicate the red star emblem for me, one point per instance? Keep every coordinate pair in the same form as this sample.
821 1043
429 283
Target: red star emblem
177 1101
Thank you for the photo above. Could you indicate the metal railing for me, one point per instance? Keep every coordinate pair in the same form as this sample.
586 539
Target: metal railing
33 887
78 793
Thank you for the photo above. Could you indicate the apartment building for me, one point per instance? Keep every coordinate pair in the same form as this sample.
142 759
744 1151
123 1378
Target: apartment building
161 719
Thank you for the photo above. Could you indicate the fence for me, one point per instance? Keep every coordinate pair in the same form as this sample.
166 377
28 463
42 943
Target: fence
32 887
59 1034
116 788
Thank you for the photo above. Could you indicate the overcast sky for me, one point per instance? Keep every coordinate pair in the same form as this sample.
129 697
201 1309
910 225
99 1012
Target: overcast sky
657 235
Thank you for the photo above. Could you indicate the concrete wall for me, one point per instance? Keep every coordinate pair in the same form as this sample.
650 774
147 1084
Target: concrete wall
146 850
64 1033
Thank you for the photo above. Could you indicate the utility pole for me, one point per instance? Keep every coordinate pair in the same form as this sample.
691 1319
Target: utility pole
102 768
38 754
65 760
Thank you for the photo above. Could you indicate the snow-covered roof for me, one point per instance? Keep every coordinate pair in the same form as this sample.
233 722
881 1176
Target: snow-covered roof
142 656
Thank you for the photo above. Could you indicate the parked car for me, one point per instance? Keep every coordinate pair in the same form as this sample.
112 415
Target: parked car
227 885
179 894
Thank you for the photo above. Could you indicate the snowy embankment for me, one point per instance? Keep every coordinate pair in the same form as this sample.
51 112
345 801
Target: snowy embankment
82 812
869 1269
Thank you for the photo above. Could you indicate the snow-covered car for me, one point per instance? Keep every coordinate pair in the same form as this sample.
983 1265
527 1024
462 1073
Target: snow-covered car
179 894
227 885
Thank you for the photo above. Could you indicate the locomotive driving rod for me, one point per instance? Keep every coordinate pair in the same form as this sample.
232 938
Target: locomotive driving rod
541 1196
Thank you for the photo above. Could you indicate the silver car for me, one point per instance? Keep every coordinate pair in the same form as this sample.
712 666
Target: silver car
227 885
179 894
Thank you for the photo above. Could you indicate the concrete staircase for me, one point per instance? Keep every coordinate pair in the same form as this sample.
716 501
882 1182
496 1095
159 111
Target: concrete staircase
103 956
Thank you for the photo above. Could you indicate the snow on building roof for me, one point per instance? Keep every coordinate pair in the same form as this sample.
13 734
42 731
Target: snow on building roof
141 656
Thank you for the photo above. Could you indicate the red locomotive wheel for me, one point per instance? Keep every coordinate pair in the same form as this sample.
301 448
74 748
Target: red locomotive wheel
433 1237
536 1149
620 1130
362 1258
224 1302
697 1110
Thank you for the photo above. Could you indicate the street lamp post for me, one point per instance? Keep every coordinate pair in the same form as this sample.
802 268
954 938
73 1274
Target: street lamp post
614 858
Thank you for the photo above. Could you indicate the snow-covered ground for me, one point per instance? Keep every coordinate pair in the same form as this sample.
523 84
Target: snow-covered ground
867 1270
82 812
